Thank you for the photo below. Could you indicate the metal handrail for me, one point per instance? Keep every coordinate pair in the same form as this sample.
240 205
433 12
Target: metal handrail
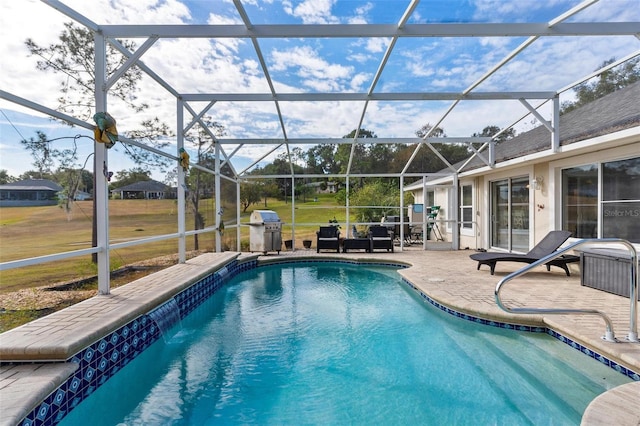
633 291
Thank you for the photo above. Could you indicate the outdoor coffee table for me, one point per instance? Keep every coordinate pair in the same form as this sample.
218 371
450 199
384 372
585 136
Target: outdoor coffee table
356 243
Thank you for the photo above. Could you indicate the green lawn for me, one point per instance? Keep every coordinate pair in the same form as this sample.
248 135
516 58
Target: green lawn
27 232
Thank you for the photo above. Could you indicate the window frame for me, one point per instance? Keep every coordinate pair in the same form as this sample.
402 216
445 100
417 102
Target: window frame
601 203
467 229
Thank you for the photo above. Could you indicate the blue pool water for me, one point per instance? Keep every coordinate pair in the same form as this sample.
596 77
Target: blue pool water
331 343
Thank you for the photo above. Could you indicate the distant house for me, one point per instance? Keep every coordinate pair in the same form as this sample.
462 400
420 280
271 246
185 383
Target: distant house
29 192
146 190
82 196
323 187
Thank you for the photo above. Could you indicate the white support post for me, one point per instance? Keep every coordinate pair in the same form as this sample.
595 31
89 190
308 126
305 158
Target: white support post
347 205
293 213
347 210
238 212
492 154
425 228
402 236
218 205
555 135
182 179
455 230
101 171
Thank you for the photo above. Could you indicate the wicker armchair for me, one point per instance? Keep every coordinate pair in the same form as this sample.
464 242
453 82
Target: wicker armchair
381 237
328 238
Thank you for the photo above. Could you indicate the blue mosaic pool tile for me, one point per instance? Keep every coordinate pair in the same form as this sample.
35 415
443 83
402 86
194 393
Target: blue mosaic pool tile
50 411
96 363
340 261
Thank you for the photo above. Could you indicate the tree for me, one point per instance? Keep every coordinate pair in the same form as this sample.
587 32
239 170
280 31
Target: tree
321 159
376 193
425 160
41 152
5 177
435 133
70 177
155 133
606 82
281 166
489 131
68 172
250 193
34 174
74 58
128 177
359 162
452 152
199 183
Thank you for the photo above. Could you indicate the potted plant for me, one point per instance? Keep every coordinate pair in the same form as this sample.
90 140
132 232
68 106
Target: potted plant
306 244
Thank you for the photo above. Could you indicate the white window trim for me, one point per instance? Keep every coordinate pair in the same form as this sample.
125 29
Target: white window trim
501 175
555 174
468 232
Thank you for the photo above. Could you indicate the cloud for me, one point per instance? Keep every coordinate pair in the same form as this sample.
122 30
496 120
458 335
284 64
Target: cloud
361 14
217 19
377 45
317 65
312 11
314 71
141 11
18 22
501 11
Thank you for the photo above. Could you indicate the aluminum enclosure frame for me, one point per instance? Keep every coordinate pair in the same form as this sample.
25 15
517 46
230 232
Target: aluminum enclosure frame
152 33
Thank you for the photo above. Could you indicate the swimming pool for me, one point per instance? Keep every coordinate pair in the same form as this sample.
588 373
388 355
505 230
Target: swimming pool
332 343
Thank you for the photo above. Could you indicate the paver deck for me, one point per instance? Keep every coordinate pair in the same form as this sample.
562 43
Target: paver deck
448 277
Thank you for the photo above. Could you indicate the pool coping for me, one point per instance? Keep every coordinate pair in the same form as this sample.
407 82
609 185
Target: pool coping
43 362
34 358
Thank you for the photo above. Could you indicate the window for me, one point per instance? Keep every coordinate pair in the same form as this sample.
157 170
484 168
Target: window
430 198
580 205
466 206
510 214
621 199
618 208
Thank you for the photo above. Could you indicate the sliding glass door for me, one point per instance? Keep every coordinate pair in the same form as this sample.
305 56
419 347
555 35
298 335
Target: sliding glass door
510 214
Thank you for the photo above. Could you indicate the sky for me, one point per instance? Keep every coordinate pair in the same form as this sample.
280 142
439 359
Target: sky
314 65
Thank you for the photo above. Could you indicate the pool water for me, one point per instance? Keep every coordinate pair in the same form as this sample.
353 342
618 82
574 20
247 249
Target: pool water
331 343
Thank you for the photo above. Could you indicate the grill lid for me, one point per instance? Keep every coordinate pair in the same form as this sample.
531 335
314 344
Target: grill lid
264 216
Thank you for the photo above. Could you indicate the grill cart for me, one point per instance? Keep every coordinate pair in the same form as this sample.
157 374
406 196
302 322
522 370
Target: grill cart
265 231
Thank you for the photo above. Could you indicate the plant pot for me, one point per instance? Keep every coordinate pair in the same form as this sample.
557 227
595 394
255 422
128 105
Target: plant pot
306 244
288 244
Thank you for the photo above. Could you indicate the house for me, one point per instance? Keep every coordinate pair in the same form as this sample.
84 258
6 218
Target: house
146 189
323 187
29 192
82 196
589 185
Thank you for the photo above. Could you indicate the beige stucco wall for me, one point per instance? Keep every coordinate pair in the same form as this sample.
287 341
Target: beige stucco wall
541 222
545 203
545 209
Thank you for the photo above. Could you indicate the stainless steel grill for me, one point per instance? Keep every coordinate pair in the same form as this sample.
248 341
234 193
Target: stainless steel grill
265 231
